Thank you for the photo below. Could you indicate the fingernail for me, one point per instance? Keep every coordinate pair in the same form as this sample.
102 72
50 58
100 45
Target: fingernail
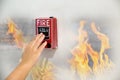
41 33
45 42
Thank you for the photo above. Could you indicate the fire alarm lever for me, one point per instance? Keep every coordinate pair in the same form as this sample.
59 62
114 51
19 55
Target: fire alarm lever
48 26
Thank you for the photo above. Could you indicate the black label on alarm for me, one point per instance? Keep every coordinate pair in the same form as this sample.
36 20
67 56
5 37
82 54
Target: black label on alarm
45 31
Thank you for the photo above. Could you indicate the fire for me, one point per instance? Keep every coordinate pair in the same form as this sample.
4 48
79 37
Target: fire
84 51
16 33
42 71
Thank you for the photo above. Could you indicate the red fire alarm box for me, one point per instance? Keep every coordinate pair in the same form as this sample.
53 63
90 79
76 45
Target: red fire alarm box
48 26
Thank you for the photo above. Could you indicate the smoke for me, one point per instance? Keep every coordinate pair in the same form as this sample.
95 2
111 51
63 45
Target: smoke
105 13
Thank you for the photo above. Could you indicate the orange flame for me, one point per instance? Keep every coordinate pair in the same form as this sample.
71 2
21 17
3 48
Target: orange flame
81 53
16 33
43 72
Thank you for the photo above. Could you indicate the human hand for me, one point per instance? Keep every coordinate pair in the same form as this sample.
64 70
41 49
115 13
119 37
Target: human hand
33 50
29 58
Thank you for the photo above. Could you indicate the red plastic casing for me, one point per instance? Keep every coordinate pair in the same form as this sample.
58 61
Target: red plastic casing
48 26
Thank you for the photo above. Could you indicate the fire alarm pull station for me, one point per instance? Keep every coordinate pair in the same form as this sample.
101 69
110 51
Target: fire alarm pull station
48 26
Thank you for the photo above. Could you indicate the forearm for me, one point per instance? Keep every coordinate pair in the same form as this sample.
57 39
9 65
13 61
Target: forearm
20 72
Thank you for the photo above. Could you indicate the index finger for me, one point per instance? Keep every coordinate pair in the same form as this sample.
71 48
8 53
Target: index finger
35 39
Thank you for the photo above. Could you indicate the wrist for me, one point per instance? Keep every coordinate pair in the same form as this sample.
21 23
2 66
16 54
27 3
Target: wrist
25 65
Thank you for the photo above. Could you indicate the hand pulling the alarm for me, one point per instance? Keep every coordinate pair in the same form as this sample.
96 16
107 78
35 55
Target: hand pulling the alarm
33 50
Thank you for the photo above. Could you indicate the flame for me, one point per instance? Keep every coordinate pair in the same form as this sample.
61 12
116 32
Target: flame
16 33
43 72
84 51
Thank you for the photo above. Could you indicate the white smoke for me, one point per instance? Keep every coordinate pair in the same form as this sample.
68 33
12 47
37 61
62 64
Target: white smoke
106 13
